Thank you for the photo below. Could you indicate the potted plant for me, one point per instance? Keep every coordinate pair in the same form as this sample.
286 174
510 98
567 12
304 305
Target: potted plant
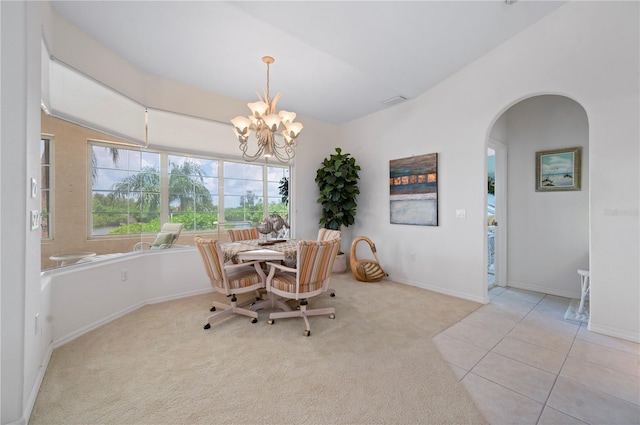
337 180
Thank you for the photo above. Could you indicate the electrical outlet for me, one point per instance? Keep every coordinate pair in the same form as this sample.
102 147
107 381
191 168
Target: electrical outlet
461 213
124 274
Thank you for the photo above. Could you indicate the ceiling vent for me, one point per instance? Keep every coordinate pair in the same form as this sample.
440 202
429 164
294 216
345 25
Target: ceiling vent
395 100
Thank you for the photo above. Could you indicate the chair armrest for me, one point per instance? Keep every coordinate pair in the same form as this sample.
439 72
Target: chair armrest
281 267
256 265
141 245
228 266
276 266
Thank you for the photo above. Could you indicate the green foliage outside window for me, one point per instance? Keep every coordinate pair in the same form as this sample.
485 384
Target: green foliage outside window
132 204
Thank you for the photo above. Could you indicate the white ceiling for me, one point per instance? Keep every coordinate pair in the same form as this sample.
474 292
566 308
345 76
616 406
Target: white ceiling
335 61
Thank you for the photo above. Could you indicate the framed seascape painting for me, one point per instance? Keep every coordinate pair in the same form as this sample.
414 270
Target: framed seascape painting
413 187
558 170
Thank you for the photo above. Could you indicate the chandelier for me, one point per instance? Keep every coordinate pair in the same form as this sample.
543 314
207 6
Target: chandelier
265 120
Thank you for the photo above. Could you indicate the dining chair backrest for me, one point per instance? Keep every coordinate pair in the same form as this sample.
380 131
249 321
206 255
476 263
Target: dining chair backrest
315 264
211 253
228 279
328 234
243 234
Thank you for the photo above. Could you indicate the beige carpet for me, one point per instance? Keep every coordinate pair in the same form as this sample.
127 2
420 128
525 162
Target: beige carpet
374 364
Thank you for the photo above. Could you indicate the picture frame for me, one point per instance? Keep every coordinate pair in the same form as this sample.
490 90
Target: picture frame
559 170
413 190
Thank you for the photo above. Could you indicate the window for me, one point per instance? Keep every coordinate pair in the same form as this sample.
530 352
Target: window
125 190
243 192
193 192
278 190
135 191
45 187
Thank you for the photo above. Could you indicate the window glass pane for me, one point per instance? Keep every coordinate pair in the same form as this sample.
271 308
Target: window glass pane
150 160
105 179
278 190
193 192
133 160
108 157
125 191
244 192
240 170
44 151
44 225
45 181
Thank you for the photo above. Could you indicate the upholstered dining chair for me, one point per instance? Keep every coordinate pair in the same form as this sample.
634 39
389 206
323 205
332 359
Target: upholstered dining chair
243 234
230 280
168 235
310 278
328 234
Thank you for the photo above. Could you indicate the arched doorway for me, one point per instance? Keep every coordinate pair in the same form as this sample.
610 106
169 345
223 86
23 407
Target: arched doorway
547 234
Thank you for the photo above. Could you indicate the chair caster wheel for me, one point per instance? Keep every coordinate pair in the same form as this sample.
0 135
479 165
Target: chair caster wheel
212 309
254 320
271 321
307 333
332 316
333 294
207 326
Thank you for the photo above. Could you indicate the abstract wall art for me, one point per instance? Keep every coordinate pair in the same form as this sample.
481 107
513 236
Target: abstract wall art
413 188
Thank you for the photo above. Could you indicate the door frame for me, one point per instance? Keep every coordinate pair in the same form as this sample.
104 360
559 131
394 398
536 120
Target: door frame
501 211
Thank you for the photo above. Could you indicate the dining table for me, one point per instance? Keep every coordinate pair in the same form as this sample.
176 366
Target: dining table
284 250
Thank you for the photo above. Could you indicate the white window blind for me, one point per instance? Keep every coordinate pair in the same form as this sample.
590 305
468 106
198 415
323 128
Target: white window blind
77 98
171 130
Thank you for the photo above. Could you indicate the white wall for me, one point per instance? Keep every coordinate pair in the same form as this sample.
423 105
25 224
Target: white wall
84 297
548 232
587 51
20 291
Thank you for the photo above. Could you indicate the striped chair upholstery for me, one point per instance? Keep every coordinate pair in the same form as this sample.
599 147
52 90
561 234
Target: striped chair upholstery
328 234
229 279
310 278
243 234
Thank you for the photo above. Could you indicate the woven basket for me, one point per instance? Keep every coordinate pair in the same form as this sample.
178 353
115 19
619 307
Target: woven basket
366 270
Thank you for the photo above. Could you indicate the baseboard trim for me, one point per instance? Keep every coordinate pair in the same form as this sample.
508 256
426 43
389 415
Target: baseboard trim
545 289
614 332
441 290
95 325
31 401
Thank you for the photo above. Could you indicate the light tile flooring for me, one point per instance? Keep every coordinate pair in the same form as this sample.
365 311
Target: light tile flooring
523 363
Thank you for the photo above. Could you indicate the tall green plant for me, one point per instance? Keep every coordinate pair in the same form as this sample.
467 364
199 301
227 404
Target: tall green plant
283 190
337 180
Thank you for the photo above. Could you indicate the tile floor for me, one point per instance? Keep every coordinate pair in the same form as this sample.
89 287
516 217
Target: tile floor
523 363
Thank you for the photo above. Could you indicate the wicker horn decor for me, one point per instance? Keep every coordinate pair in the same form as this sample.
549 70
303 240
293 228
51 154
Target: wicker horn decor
366 270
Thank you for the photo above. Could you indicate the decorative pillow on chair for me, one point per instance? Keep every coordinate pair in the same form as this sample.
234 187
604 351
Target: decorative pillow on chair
163 239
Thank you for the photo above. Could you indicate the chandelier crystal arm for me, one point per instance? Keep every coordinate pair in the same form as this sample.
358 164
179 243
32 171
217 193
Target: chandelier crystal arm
265 120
